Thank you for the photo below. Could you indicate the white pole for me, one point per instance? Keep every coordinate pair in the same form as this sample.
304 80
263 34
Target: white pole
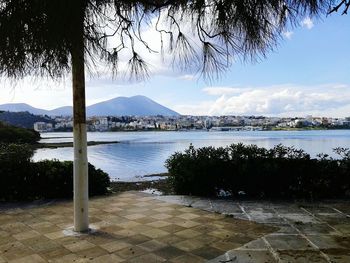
80 174
81 188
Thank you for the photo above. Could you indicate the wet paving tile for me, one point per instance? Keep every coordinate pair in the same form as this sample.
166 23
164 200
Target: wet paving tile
301 256
330 242
245 256
338 255
316 229
288 242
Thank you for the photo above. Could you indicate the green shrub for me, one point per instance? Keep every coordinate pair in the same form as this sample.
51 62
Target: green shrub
22 179
281 172
53 178
15 169
12 134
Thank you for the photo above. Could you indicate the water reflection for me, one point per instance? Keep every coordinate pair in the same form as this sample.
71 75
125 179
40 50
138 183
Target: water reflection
141 153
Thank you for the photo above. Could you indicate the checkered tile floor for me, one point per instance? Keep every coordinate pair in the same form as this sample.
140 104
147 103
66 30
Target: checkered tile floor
131 227
307 231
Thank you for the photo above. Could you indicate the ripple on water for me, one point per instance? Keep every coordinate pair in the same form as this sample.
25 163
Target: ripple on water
141 153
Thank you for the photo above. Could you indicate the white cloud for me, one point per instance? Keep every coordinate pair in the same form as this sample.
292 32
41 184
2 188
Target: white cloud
39 92
159 61
223 90
288 34
188 77
193 109
308 23
280 100
50 94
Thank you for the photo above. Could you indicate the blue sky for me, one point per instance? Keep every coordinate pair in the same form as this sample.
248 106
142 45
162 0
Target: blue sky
307 73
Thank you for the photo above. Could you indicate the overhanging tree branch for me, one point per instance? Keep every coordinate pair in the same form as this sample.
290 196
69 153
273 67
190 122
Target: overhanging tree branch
35 34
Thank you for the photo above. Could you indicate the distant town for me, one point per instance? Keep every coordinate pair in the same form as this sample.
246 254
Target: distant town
140 113
176 123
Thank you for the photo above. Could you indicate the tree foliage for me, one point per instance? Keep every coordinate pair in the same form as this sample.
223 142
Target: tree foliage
37 36
23 179
280 172
12 134
23 119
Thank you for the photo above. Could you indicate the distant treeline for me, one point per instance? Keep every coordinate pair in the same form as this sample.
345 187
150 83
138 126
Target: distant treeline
12 134
23 119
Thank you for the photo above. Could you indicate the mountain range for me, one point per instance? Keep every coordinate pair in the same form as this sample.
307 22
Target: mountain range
119 106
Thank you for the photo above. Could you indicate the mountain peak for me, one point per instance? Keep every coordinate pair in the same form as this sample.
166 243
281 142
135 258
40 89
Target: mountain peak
139 97
120 106
136 105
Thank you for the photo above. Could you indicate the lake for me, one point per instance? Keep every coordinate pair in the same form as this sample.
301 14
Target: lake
143 153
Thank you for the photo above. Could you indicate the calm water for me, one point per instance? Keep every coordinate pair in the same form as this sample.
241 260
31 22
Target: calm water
142 153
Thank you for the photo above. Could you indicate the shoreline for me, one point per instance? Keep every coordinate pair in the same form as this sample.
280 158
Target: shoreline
55 145
208 130
160 183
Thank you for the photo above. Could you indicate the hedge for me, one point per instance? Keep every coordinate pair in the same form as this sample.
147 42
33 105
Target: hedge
22 179
281 172
12 134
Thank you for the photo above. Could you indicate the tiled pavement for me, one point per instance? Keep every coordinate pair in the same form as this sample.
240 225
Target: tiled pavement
137 227
307 232
130 227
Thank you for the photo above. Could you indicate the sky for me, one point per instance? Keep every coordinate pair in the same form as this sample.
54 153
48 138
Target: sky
307 74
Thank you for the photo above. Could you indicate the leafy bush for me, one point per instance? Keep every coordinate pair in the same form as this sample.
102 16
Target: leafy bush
23 119
15 167
53 178
12 134
281 172
22 179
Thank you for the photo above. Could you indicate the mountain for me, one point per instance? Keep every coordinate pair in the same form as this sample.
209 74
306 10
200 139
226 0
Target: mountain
120 106
136 105
61 111
21 107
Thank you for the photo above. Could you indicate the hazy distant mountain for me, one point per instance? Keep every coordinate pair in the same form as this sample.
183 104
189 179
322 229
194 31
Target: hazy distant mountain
64 111
18 107
136 105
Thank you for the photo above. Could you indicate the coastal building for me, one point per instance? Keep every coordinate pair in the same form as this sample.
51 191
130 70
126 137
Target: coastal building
43 127
187 122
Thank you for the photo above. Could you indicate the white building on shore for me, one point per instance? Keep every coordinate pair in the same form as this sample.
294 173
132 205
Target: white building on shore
43 127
